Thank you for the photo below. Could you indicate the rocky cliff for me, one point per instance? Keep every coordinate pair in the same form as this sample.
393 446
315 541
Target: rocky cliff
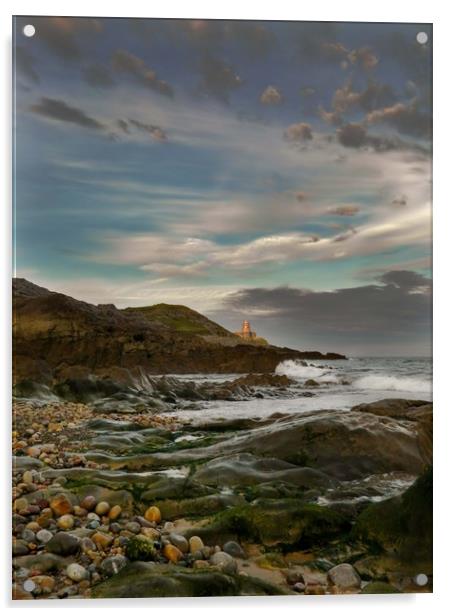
56 337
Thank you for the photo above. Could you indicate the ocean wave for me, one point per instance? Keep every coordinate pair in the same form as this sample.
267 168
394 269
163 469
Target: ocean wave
386 382
299 371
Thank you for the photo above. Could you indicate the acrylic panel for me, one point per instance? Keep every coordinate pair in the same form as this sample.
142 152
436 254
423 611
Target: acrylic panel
221 308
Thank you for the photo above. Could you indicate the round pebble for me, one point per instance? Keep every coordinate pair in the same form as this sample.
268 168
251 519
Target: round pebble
65 522
44 536
76 572
153 514
102 508
88 502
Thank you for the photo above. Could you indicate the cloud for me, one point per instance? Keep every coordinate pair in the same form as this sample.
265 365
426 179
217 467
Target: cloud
355 135
399 305
344 210
59 110
298 133
254 37
400 201
155 132
271 96
352 135
60 34
125 62
25 64
98 76
406 118
364 57
218 79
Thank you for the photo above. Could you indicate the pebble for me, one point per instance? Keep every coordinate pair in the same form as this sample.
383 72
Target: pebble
115 512
234 549
224 561
88 502
102 508
20 547
180 542
28 535
44 536
76 572
344 576
113 564
133 527
151 533
153 514
195 544
46 583
63 544
60 505
172 553
65 522
102 540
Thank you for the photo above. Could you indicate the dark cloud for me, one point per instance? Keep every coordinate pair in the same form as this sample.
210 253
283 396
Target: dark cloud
344 210
400 201
218 79
98 76
408 119
155 132
61 34
123 125
59 110
125 62
396 310
354 135
271 96
298 133
25 64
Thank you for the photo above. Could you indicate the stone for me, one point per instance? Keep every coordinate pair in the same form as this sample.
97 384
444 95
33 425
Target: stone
113 564
60 505
224 562
172 553
20 504
65 522
299 587
153 514
151 533
28 535
201 564
20 547
87 544
28 477
102 540
44 536
344 576
180 542
102 508
46 583
63 544
133 527
234 549
195 544
76 572
88 502
115 512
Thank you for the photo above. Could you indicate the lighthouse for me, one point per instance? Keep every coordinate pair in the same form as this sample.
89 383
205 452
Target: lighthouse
246 331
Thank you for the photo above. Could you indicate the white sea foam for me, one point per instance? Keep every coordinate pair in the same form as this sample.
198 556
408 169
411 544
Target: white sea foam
297 370
385 382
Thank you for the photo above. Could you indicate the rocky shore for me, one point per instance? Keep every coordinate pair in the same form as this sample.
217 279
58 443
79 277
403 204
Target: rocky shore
121 501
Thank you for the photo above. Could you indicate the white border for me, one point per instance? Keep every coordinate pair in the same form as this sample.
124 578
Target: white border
383 10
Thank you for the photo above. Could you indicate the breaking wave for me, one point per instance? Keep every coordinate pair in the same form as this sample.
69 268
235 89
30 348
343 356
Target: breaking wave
385 382
299 371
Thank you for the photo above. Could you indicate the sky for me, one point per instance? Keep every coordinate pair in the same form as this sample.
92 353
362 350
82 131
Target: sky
273 171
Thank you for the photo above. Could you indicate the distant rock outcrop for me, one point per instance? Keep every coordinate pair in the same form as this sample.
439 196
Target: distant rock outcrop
56 337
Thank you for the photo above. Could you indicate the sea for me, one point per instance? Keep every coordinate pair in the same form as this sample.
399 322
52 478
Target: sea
340 385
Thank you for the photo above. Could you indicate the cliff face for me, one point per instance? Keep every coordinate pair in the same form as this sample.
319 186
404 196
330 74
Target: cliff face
57 337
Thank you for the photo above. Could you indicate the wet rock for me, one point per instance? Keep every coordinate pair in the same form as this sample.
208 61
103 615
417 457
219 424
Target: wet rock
45 583
311 383
344 577
63 544
102 540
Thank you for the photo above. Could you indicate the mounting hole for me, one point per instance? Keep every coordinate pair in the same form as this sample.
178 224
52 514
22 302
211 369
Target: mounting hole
29 30
421 579
422 38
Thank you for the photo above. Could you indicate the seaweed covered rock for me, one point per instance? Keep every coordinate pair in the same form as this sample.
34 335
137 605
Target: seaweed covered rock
401 525
276 522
